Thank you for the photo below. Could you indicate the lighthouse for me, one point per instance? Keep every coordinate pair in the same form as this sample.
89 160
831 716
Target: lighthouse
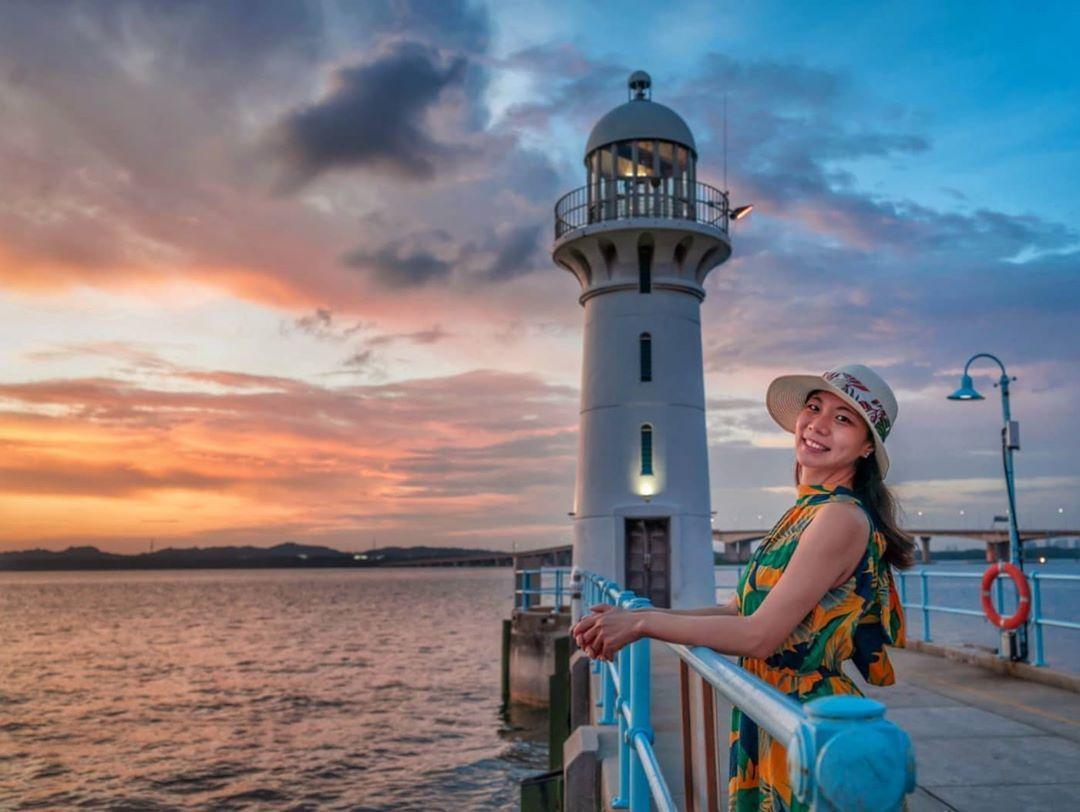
641 236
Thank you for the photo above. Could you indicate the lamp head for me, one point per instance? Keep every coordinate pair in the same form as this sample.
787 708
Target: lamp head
740 212
966 390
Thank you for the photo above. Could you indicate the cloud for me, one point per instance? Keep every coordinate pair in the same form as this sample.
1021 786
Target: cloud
322 324
397 265
413 458
518 251
374 116
431 335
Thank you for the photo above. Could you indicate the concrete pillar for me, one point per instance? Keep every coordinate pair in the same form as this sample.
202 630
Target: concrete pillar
580 709
925 548
997 551
532 653
583 754
737 552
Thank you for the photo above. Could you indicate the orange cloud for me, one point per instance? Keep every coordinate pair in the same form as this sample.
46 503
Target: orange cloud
214 456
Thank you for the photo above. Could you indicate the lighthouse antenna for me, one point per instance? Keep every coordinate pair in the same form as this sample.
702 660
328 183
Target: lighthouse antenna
725 142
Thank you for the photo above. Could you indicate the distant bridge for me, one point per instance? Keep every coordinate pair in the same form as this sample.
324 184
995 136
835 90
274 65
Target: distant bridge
473 560
737 542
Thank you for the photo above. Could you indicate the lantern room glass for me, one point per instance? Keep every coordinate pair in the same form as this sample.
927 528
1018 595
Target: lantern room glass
640 178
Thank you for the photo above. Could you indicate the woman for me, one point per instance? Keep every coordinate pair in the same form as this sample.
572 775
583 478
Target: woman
817 591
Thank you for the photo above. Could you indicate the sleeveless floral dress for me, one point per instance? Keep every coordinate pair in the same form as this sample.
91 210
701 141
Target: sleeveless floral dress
852 621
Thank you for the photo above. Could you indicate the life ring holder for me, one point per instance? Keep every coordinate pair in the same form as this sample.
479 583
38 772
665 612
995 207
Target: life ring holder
1023 606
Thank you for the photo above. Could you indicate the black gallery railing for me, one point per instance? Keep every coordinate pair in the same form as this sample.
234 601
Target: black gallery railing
629 198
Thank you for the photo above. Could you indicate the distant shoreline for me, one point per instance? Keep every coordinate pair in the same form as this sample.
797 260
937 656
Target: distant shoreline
282 556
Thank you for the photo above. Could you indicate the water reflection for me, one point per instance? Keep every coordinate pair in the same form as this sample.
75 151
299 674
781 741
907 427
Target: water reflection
276 689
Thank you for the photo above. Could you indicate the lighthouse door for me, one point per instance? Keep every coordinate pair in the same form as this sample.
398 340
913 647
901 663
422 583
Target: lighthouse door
647 560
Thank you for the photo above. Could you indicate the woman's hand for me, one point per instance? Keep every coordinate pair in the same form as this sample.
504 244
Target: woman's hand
587 623
601 634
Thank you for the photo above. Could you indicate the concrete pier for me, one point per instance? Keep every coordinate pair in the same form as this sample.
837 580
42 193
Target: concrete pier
983 740
531 653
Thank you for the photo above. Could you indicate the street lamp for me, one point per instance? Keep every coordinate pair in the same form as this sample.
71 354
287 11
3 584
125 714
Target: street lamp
1010 440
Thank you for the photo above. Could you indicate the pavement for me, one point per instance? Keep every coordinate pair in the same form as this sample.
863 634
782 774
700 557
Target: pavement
984 741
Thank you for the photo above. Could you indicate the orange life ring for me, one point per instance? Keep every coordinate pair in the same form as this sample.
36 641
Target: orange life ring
1023 606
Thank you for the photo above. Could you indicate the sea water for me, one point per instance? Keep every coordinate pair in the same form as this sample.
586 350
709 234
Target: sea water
269 689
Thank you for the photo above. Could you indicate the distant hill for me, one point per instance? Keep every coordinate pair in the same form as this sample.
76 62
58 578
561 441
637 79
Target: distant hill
289 554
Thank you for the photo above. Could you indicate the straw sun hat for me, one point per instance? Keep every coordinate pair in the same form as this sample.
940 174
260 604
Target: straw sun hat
857 384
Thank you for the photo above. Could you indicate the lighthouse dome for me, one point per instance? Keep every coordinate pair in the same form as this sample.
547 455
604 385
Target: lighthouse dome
640 118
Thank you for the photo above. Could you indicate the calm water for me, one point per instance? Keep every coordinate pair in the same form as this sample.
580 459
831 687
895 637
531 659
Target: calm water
277 689
298 690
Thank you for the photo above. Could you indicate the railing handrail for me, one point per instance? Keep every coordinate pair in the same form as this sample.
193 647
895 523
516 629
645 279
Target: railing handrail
804 729
690 201
1036 617
777 713
523 586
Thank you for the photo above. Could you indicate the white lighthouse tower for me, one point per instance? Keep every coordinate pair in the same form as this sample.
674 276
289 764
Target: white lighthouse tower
641 236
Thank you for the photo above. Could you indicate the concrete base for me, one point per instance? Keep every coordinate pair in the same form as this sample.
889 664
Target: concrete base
999 665
580 702
583 753
532 653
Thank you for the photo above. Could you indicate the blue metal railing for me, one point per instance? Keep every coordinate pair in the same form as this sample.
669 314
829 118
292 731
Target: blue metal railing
1036 617
854 728
531 583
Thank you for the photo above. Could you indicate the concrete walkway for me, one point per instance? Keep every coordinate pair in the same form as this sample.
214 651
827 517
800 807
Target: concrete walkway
983 741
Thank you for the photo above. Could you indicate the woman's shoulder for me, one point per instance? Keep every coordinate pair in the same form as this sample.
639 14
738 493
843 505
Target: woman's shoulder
843 513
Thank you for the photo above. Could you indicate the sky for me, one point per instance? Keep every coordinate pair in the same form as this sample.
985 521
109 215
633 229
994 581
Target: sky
281 270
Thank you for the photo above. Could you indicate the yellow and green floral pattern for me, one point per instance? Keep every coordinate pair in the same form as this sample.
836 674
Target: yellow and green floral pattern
852 621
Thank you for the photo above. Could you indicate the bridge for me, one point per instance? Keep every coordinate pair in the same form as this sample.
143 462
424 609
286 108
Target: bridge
478 560
559 556
737 542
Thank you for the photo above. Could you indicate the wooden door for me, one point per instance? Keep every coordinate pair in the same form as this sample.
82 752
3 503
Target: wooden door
648 559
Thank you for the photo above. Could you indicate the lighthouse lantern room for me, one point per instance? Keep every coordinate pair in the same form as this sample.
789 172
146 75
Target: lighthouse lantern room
640 237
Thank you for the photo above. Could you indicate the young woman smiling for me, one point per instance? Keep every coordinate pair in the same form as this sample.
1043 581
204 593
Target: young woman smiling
817 591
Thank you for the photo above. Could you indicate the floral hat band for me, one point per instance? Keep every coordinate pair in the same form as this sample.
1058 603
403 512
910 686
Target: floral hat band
876 415
857 384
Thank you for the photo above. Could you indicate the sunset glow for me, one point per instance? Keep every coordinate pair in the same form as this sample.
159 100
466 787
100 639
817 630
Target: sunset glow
309 296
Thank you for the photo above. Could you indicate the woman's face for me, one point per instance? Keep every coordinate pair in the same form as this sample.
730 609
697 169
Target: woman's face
829 433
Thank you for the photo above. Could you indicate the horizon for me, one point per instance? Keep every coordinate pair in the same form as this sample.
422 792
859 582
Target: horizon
238 307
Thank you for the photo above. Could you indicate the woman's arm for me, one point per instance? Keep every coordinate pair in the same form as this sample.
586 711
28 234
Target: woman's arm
729 608
829 547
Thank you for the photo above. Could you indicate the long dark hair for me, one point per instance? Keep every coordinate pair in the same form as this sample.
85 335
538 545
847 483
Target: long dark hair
876 497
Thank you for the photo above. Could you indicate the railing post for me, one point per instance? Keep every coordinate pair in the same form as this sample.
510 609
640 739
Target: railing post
626 688
575 595
558 590
526 585
609 709
1036 618
858 760
640 714
925 605
592 601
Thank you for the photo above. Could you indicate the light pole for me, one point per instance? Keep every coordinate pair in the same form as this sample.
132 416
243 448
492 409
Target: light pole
1010 440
